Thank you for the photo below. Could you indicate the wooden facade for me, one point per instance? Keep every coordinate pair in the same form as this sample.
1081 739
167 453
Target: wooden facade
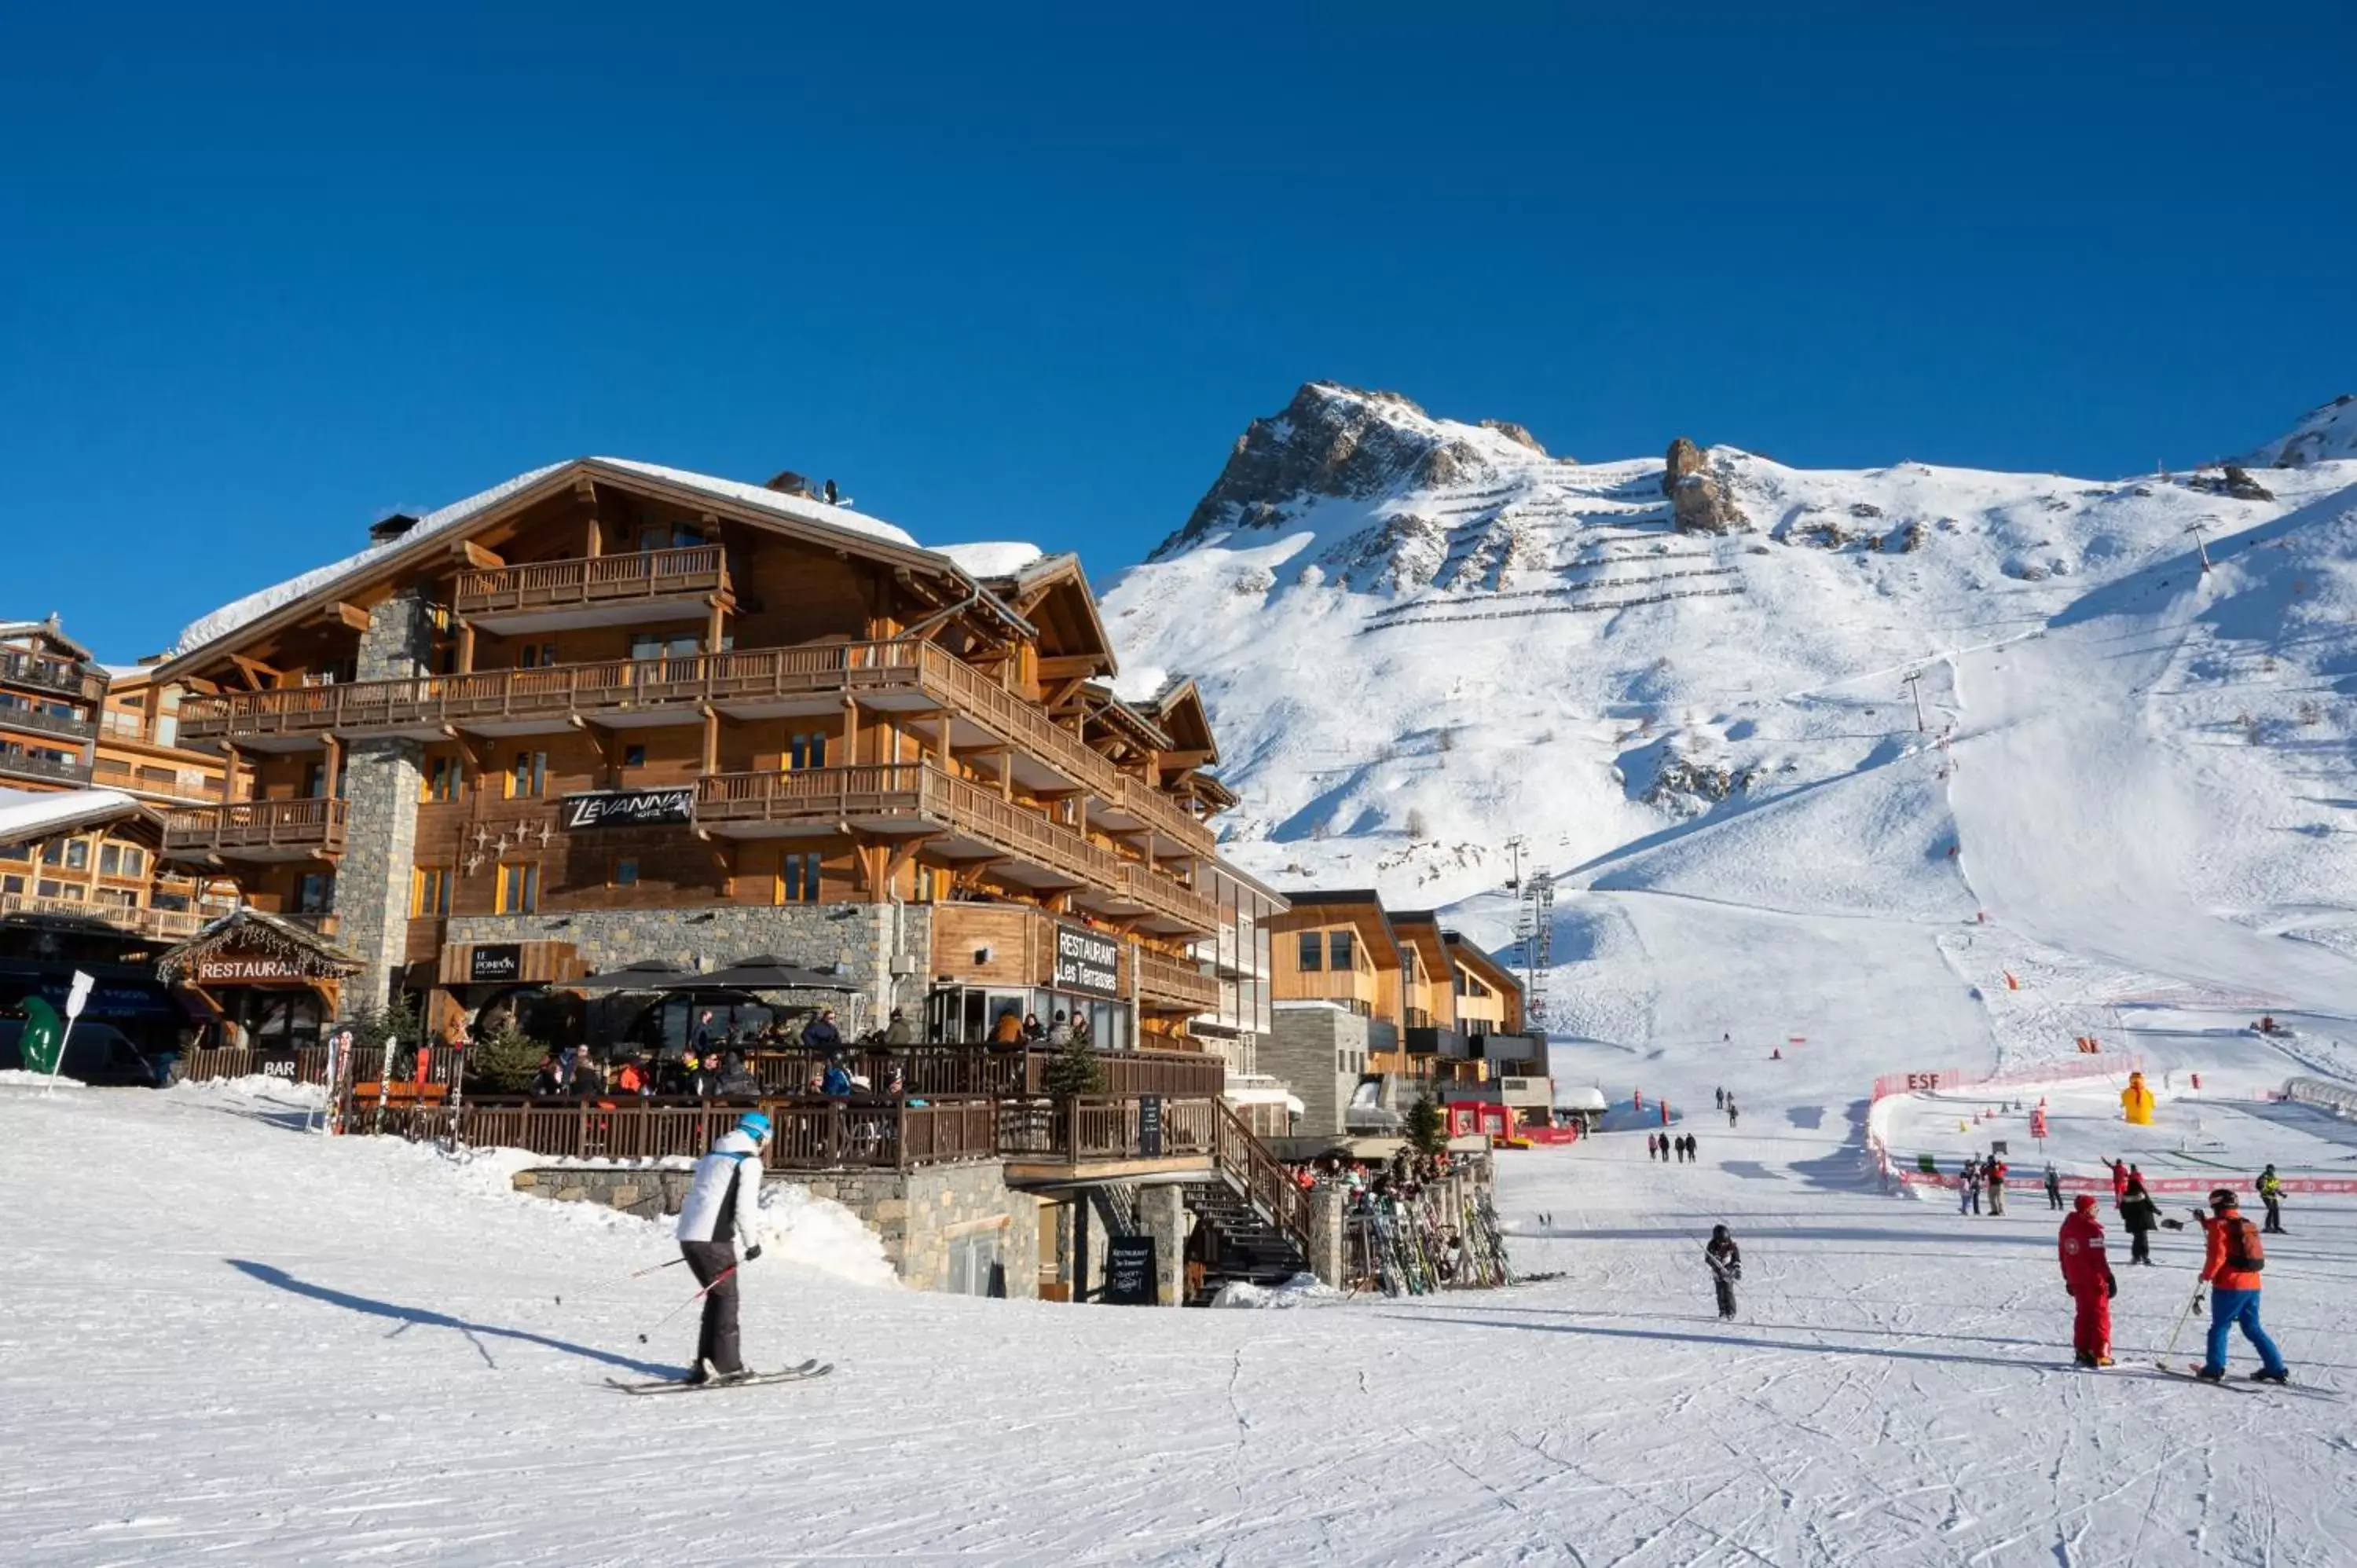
627 690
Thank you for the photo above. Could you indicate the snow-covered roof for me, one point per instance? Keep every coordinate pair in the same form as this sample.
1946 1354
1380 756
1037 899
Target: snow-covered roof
239 613
253 606
1141 684
1578 1097
1001 558
27 814
45 627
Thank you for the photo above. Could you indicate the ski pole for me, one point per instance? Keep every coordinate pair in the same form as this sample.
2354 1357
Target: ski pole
2183 1319
690 1300
635 1275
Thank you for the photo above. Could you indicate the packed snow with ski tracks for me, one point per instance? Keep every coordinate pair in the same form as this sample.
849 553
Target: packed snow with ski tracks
230 1340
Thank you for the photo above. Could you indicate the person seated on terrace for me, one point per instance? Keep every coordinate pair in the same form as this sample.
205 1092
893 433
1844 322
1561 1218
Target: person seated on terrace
736 1081
899 1031
631 1078
550 1079
1059 1033
822 1034
1008 1029
1032 1028
836 1081
588 1078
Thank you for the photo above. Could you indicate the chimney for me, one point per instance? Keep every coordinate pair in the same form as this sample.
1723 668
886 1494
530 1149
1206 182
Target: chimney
385 530
786 482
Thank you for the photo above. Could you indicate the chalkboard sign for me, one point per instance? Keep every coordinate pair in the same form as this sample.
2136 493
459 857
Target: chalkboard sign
1129 1272
1998 1147
1149 1127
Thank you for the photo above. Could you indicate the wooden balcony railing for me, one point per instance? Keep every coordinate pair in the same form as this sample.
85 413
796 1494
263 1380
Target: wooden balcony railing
687 686
164 924
1167 898
924 793
248 825
595 579
30 764
1166 980
808 1133
74 727
16 670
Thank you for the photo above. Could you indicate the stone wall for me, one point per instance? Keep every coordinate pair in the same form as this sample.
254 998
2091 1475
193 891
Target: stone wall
381 786
857 937
648 1191
1304 1048
921 1216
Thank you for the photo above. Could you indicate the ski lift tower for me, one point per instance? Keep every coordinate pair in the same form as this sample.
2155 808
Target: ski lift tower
1535 937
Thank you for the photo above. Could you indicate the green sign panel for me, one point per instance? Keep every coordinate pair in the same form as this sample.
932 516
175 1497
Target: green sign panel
43 1037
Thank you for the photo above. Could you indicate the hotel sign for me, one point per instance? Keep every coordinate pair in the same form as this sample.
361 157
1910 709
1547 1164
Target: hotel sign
1086 962
631 809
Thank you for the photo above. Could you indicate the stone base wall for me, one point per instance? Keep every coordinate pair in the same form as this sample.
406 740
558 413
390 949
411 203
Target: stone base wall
923 1215
649 1192
858 938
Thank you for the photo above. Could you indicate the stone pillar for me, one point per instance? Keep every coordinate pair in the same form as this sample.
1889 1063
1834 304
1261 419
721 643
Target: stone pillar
1326 1252
382 778
1162 1212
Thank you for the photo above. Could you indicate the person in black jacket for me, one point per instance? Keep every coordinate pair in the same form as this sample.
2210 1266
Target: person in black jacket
2142 1217
1725 1261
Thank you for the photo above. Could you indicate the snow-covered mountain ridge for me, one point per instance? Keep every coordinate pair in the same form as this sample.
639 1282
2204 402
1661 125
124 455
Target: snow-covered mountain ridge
1421 637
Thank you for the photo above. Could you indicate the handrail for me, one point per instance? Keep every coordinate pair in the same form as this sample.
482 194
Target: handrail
1246 1161
1175 979
77 726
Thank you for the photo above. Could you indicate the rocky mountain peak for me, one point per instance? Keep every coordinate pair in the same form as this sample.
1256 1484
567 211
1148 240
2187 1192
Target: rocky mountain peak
1330 440
2329 433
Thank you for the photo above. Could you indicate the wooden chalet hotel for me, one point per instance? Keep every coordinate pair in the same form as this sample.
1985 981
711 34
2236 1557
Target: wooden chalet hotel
609 714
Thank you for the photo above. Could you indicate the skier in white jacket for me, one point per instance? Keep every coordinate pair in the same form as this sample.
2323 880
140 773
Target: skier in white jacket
722 1201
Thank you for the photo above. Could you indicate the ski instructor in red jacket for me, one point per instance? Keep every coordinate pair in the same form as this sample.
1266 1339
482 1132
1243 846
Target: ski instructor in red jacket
2087 1275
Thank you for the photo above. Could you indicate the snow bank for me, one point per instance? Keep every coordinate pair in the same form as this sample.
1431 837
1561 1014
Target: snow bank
821 1235
16 1077
1301 1289
254 1086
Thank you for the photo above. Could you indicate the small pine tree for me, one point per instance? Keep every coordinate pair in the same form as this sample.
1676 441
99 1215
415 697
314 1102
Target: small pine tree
1074 1072
1417 828
504 1060
1425 1130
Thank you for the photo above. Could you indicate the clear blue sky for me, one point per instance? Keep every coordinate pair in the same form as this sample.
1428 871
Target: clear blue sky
1025 272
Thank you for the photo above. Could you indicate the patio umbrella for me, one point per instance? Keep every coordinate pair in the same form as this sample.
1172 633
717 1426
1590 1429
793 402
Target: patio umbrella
766 971
646 974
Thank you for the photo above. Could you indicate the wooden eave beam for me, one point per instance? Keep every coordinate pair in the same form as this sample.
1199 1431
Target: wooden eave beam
259 677
345 612
476 556
1074 666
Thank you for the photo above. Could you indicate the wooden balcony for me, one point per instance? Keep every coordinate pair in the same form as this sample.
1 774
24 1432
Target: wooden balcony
26 765
33 721
969 822
41 675
164 925
1170 983
257 831
596 590
889 677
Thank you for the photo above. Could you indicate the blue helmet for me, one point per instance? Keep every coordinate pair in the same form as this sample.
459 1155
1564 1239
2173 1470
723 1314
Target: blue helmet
755 1126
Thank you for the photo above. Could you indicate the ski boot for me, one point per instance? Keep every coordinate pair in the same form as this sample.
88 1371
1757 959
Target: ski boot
2280 1376
2211 1374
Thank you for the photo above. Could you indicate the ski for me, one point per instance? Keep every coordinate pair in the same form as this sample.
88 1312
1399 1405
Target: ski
2248 1386
806 1372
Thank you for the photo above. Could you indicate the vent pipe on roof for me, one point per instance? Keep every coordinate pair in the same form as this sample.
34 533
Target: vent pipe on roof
385 530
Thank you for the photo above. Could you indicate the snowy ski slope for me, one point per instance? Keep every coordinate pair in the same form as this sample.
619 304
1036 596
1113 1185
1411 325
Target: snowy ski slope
2133 779
227 1341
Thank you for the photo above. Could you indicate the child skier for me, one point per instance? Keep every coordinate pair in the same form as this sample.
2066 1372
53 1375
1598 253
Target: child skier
2087 1275
1725 1261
